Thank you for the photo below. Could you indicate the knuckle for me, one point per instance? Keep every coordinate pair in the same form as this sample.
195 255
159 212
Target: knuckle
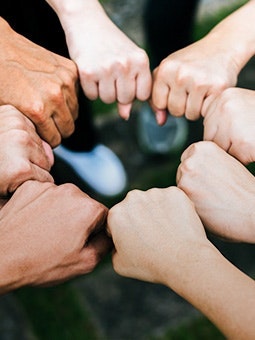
245 143
134 193
192 115
201 147
20 169
53 140
17 120
73 68
122 66
69 82
70 128
117 268
163 70
88 74
36 112
92 261
176 110
76 197
68 189
220 84
187 166
142 58
20 137
56 95
18 123
226 104
173 190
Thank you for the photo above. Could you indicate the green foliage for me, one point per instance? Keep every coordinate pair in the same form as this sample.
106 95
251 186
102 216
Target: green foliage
200 329
56 313
202 27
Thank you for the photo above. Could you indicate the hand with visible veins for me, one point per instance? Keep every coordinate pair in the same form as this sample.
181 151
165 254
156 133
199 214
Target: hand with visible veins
49 234
40 84
222 190
24 155
111 66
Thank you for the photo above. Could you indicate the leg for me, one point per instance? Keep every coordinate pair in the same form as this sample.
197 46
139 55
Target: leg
168 26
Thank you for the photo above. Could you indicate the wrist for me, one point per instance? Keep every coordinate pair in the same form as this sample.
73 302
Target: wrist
69 11
251 222
12 276
222 293
189 263
236 34
236 54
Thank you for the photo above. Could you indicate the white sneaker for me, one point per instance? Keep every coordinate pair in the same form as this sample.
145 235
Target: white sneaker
100 168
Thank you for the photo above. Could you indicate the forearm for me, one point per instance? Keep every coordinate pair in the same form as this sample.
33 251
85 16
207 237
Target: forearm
70 10
221 292
236 34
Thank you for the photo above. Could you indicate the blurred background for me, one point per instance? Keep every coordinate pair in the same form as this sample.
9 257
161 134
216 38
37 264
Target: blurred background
103 305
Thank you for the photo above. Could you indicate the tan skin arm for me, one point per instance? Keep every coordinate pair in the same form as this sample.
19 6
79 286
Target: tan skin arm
157 241
40 84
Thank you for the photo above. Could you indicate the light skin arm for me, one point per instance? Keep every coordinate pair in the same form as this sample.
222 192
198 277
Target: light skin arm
230 123
24 155
40 84
111 66
156 241
49 234
222 190
187 77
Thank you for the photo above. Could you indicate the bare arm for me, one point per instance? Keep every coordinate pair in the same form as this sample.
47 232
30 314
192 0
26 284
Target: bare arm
156 240
220 291
111 66
187 77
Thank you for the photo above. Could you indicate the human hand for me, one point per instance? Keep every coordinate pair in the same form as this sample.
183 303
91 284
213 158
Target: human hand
50 234
222 190
230 122
39 83
111 66
154 239
159 237
187 77
23 154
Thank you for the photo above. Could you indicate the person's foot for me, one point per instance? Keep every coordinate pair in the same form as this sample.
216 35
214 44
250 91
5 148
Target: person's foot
162 140
100 168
